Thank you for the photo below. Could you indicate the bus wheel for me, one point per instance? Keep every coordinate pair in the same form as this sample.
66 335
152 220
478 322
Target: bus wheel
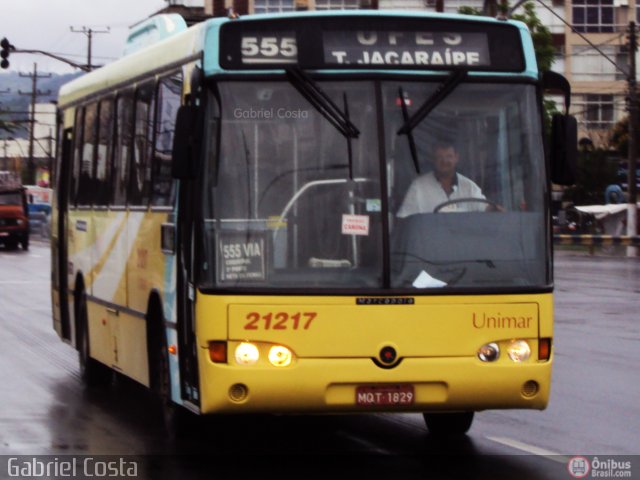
444 424
174 417
92 372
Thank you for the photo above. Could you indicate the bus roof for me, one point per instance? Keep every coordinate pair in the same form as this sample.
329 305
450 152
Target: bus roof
203 41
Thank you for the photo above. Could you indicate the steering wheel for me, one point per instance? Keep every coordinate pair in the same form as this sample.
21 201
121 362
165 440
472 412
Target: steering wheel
466 200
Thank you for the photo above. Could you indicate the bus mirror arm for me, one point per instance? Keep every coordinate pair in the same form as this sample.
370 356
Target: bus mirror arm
185 143
555 83
564 132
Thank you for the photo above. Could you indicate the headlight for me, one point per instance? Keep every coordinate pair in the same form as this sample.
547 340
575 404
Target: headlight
20 222
519 351
489 352
280 356
247 354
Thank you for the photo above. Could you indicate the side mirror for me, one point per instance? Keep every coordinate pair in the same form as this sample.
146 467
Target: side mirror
564 149
184 152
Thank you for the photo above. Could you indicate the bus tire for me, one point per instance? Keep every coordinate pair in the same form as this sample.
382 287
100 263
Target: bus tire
92 372
174 418
448 424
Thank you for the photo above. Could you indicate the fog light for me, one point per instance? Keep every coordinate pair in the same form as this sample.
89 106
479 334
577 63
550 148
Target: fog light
280 356
247 354
519 351
238 392
489 352
530 389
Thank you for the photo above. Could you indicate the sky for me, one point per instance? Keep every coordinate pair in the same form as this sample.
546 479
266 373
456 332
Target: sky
45 25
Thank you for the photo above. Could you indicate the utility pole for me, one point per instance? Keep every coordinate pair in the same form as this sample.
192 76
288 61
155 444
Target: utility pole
34 93
89 33
632 215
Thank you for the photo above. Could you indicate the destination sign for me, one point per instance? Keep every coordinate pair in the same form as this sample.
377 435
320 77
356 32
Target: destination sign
241 257
419 48
367 42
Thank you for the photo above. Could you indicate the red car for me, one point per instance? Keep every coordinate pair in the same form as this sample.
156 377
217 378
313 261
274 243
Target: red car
14 217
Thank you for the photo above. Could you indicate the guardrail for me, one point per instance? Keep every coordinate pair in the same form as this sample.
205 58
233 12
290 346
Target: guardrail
597 240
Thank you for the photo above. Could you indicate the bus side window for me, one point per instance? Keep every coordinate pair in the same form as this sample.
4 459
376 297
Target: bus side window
101 192
123 137
85 187
169 95
142 145
77 156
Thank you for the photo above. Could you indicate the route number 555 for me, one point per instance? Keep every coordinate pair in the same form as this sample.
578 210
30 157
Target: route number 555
269 47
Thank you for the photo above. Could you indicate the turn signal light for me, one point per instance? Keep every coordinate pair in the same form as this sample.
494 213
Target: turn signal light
544 349
218 352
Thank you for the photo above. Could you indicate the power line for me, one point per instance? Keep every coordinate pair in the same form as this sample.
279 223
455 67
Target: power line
620 35
89 32
593 45
82 56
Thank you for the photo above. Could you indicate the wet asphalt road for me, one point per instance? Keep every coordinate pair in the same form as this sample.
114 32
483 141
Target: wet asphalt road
594 408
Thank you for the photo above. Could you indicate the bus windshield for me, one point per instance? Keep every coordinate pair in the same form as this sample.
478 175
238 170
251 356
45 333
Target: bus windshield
463 190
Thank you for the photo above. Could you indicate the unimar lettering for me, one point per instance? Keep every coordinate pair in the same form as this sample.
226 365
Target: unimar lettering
482 320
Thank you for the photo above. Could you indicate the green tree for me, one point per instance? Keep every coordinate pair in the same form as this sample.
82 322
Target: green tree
596 171
619 139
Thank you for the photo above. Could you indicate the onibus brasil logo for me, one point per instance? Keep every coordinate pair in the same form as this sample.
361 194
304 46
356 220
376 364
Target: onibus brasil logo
579 467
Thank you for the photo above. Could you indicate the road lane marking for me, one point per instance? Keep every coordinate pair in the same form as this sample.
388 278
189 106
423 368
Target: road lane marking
556 457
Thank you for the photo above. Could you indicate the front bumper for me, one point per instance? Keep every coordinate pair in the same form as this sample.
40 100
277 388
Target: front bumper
329 385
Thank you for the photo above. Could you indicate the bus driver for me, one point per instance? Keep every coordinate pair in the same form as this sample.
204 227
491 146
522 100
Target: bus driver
443 184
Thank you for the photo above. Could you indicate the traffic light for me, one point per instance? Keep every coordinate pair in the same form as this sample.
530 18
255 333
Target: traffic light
4 53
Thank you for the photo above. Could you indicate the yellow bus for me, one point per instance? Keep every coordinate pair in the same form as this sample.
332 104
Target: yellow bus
313 212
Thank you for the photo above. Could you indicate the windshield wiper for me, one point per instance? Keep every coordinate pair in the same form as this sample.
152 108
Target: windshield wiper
442 92
310 90
317 97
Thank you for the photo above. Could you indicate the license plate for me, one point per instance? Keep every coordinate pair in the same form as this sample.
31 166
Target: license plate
385 395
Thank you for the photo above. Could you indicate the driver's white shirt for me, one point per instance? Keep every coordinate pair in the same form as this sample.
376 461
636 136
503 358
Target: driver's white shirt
425 193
